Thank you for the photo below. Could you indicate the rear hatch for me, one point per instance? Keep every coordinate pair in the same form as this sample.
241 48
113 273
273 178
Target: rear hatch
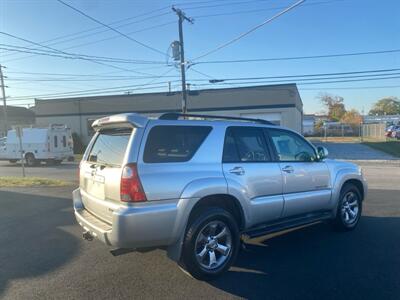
100 170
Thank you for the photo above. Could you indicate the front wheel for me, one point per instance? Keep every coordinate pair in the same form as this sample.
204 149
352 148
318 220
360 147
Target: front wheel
30 160
211 244
349 208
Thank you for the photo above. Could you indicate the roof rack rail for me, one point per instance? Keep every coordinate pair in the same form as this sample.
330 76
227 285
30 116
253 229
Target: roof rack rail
176 116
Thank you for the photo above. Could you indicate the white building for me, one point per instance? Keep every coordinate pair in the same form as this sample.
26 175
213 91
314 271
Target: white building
280 104
308 124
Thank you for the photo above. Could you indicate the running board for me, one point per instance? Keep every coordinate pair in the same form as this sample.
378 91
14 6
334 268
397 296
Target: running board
285 224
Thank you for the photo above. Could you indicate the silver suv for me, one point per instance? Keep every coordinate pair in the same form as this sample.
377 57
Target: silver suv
198 186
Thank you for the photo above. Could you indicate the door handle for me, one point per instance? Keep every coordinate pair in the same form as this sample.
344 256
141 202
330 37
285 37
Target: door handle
237 171
288 169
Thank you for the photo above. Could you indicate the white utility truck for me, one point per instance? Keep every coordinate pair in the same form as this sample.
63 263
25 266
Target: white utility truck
51 145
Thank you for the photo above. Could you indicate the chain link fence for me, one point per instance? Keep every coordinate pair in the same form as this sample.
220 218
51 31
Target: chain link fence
375 131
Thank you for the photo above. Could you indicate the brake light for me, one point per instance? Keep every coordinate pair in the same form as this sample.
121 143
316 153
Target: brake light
48 147
131 189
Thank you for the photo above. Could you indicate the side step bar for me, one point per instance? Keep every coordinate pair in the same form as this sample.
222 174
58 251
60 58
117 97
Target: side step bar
286 224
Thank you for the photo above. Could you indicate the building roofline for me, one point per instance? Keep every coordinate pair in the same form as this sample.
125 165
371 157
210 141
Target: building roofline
289 86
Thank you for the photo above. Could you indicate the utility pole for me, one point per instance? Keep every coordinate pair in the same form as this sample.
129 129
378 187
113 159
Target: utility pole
4 100
182 17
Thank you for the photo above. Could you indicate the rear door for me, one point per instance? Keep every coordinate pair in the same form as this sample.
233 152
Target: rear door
54 141
306 180
249 170
100 171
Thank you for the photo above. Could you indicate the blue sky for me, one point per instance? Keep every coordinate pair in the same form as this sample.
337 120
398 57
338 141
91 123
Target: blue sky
317 27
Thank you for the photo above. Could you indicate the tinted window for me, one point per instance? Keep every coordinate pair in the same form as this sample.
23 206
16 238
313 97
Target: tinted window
245 144
291 147
110 147
173 143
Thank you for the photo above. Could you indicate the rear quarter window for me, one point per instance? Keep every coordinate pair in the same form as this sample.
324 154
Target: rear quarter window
174 143
109 147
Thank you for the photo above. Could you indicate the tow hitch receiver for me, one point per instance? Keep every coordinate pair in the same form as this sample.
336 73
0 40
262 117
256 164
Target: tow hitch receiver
87 236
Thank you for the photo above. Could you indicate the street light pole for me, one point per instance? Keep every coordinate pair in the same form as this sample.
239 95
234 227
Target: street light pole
4 100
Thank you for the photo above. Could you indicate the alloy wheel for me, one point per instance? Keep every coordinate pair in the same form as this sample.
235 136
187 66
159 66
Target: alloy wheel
213 245
350 208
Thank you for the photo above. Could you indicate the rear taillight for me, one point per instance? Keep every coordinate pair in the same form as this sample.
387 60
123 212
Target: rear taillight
48 147
131 188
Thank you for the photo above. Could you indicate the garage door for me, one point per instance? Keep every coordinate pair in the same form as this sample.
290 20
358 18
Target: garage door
272 117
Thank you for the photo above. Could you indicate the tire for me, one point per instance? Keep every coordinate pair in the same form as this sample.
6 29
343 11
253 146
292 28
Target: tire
30 160
12 161
211 244
349 208
57 162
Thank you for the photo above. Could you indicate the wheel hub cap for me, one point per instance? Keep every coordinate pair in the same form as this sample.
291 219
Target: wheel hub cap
213 245
350 208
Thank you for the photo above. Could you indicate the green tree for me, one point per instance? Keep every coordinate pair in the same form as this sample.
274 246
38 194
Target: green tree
334 105
386 106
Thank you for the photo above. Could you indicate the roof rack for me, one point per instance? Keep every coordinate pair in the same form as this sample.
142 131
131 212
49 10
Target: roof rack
176 116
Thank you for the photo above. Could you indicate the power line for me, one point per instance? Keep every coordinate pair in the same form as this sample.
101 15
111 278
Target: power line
91 94
241 12
225 4
125 87
201 73
250 30
205 75
66 53
75 55
95 41
79 33
81 75
298 57
111 28
311 75
299 83
85 80
30 100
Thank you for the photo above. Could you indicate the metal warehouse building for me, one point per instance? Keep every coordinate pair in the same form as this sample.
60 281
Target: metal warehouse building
280 104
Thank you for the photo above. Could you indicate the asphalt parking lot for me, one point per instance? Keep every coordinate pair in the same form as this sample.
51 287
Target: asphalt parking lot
43 256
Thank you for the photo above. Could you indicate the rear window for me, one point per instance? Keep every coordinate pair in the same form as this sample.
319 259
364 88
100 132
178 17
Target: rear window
110 147
174 143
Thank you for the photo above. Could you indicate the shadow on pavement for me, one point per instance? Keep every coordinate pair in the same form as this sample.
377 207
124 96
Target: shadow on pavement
319 263
32 244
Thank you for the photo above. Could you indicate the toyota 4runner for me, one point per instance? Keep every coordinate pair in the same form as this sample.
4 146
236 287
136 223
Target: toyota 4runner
199 185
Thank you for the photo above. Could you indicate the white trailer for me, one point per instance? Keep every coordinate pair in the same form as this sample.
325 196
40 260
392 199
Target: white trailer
51 145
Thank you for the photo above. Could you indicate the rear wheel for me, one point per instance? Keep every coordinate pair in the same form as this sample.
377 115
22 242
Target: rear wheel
349 208
30 160
211 244
13 161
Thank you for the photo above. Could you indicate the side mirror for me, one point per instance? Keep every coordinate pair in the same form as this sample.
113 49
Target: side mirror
322 152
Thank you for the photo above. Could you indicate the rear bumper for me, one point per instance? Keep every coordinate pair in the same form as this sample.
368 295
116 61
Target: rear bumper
140 226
